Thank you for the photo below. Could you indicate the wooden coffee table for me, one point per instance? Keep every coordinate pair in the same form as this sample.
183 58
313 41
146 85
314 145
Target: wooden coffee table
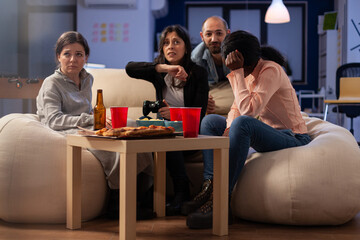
128 150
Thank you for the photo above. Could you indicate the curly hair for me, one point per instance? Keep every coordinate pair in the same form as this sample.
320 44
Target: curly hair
249 46
246 43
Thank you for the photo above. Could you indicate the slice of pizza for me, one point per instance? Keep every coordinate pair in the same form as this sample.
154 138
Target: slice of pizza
101 131
115 132
136 132
150 131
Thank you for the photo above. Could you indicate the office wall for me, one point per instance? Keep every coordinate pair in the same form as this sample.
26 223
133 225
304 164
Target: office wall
8 26
177 12
349 34
176 15
119 35
29 32
8 51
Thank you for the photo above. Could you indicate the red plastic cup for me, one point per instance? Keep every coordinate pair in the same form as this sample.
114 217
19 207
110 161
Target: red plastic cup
175 114
191 121
118 116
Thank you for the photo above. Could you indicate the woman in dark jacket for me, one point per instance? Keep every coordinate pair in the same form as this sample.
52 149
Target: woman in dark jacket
179 82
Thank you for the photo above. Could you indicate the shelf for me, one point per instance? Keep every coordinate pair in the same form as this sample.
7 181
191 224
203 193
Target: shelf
310 94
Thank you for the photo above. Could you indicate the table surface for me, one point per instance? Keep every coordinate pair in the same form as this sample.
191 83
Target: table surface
128 150
340 102
177 143
343 101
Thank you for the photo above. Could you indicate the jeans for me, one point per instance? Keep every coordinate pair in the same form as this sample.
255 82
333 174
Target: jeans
246 132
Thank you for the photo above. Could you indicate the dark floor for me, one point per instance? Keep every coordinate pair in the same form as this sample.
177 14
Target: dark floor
175 228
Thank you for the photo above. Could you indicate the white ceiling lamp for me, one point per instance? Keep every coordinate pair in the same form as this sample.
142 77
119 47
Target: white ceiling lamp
277 13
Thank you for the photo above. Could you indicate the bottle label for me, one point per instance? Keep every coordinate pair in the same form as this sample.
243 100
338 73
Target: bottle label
99 118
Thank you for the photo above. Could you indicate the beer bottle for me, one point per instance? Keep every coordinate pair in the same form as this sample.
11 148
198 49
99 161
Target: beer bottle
99 111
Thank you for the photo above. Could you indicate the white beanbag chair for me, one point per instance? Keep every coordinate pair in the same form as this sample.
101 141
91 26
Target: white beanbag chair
33 174
316 184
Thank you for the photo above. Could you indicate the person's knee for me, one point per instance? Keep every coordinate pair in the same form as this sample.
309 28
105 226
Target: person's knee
243 120
242 124
207 123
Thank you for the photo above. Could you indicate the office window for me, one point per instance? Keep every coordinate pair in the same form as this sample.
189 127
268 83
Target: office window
197 16
39 26
248 20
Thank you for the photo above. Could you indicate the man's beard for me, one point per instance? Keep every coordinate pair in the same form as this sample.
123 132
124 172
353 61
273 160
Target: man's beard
214 49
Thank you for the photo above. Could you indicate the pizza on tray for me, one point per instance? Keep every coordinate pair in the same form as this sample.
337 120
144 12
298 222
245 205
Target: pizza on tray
136 132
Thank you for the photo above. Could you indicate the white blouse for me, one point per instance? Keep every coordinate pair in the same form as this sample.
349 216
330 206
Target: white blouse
174 96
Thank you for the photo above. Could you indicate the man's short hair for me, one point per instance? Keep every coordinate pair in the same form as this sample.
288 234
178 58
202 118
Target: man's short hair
219 18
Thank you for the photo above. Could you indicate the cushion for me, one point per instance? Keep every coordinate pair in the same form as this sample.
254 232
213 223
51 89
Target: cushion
33 174
118 87
316 184
223 96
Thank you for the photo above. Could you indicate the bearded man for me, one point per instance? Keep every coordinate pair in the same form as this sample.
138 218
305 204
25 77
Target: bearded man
208 55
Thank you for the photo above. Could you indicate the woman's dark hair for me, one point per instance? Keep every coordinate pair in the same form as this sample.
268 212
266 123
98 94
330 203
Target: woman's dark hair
69 38
272 54
246 43
184 35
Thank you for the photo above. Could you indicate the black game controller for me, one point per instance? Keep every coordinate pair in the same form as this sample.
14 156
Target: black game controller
152 106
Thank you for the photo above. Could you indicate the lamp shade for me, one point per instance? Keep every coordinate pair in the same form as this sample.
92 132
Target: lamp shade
277 13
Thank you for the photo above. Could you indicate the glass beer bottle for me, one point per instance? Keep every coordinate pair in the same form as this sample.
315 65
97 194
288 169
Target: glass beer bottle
99 111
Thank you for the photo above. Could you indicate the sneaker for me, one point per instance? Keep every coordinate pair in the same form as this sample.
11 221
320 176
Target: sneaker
199 200
203 217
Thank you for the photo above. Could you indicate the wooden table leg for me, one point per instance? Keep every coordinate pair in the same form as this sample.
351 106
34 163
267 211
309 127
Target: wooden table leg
221 192
159 183
127 198
73 187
